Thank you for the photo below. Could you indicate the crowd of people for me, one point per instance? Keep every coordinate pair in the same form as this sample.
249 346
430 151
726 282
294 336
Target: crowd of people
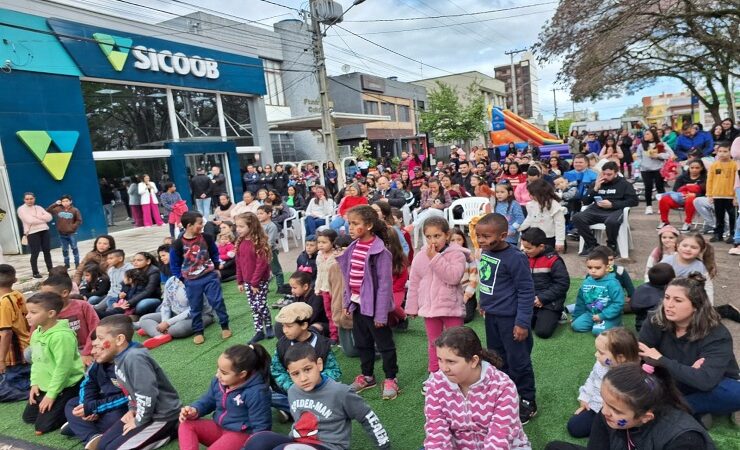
659 384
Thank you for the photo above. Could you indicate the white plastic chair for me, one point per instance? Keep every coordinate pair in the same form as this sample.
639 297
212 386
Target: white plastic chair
472 206
624 238
289 230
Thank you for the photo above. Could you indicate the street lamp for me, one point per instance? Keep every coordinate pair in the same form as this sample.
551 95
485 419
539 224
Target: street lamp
340 18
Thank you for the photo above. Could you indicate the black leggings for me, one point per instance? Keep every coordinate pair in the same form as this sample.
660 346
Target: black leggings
724 206
39 242
652 178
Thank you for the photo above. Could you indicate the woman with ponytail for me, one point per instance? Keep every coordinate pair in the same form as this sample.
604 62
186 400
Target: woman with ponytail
686 338
469 402
642 409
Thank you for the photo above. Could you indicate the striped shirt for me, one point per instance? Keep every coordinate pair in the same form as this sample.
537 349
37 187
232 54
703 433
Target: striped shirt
357 265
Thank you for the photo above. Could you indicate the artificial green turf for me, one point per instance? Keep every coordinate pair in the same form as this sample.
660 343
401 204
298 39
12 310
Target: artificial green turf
561 364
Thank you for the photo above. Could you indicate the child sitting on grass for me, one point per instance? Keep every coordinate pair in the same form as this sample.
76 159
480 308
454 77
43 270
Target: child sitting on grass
306 262
295 325
667 243
551 282
80 315
154 405
15 337
239 398
117 266
96 284
650 295
613 347
621 274
57 369
600 299
470 378
100 403
323 409
303 291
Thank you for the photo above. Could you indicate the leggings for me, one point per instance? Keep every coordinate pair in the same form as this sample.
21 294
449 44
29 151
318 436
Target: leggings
652 178
39 242
667 203
258 303
178 330
192 433
722 206
333 331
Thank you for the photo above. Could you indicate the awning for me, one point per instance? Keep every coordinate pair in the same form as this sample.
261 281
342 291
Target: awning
313 122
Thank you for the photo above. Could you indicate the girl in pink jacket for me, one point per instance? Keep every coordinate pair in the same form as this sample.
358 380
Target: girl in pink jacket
435 290
470 404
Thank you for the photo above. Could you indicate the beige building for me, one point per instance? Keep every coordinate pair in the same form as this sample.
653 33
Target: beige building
492 90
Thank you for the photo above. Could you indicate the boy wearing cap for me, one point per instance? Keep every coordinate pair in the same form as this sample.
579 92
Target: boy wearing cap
295 321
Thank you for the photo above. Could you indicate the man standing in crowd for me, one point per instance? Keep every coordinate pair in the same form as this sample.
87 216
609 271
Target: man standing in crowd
200 186
218 184
109 199
251 179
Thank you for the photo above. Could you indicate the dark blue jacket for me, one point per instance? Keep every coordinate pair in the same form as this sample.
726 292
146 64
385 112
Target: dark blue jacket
702 140
307 263
551 279
245 409
98 393
506 286
251 181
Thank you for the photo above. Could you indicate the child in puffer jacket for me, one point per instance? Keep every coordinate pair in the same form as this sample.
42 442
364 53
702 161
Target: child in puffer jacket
469 280
435 292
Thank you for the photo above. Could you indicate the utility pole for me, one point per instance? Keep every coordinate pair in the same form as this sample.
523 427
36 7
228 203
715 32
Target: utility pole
328 132
555 101
513 78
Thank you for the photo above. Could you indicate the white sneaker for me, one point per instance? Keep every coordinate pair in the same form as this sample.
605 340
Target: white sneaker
563 317
661 225
686 227
648 210
734 251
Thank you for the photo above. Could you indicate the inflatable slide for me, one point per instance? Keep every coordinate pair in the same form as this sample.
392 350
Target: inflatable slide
509 127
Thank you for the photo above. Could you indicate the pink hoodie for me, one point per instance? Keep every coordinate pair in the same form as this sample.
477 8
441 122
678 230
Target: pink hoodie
435 288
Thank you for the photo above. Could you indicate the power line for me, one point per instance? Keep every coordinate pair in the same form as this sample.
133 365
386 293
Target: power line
404 19
276 4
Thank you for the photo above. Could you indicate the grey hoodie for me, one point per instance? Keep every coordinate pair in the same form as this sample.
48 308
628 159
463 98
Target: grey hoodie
115 274
151 395
324 416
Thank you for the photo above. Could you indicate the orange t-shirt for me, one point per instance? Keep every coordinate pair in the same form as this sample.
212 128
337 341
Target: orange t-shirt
13 317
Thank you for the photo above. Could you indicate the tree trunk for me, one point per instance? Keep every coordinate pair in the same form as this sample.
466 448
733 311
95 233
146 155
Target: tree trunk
729 99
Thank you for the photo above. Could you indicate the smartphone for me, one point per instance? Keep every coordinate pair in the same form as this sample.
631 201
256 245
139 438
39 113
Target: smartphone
598 198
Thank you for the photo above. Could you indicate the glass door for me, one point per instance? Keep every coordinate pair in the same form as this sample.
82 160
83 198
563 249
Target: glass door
208 161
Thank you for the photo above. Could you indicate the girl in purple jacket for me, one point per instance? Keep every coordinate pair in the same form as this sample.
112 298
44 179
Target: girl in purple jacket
367 267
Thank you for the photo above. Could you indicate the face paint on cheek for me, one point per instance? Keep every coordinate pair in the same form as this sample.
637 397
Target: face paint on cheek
608 362
106 345
622 423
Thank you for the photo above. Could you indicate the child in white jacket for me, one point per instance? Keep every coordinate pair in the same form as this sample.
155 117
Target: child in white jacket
613 346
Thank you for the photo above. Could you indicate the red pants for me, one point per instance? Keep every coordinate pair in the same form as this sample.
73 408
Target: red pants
136 215
149 211
333 331
398 301
192 433
667 203
435 326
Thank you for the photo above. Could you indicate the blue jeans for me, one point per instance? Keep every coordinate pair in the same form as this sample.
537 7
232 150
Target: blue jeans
15 383
203 205
69 240
585 323
723 399
337 224
312 223
108 211
210 286
95 299
146 306
736 237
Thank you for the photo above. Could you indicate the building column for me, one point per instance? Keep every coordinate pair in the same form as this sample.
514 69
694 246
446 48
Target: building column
260 129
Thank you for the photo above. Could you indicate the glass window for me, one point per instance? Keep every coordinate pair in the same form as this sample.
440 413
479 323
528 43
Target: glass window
274 82
420 105
197 115
403 113
238 121
389 109
124 117
283 147
370 107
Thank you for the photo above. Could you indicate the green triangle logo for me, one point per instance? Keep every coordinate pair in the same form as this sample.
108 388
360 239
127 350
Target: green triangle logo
38 143
115 48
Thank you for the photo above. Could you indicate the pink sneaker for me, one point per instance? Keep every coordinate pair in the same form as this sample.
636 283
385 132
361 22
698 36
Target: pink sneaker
141 332
362 382
390 389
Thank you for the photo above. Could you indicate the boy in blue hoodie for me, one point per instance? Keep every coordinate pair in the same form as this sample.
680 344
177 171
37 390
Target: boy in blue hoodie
600 299
507 298
99 406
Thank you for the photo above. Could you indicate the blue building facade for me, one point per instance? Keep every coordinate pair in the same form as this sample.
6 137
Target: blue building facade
48 63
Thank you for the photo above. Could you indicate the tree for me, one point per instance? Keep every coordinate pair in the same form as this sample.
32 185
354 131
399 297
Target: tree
563 125
632 111
612 48
447 120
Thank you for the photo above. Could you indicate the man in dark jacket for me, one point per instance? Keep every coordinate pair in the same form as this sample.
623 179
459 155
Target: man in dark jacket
200 187
280 183
551 282
251 180
463 176
218 184
394 197
607 198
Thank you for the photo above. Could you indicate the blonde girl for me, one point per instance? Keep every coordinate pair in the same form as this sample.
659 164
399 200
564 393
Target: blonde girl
667 243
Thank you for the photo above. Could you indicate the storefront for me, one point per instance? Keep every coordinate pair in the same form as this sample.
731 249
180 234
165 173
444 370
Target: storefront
79 102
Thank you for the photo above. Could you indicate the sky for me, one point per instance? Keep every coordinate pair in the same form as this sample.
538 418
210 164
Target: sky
442 45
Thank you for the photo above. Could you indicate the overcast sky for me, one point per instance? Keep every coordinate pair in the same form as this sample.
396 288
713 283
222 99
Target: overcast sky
451 44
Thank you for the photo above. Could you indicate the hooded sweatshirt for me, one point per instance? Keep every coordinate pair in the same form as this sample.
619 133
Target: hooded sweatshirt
323 416
435 285
56 361
603 297
151 395
551 279
115 275
68 219
486 418
245 408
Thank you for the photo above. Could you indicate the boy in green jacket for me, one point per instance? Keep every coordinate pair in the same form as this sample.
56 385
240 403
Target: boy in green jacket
57 368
